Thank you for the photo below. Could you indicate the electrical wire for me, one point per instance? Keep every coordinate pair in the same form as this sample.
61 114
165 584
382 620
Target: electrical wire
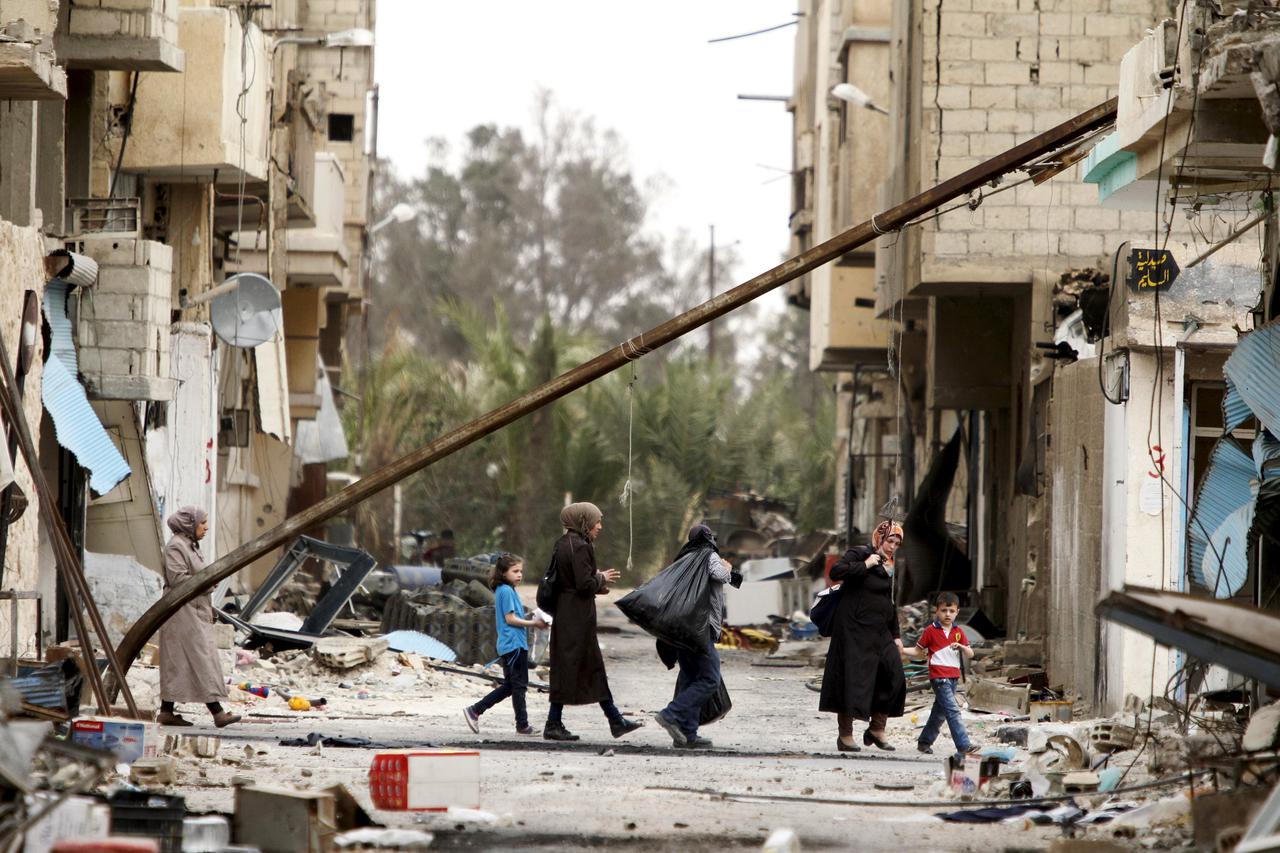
753 33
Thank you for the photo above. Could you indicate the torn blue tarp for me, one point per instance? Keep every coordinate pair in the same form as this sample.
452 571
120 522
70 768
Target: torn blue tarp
75 424
1253 374
1219 526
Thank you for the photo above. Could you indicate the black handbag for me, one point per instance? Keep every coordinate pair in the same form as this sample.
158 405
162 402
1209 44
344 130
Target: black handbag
546 595
823 610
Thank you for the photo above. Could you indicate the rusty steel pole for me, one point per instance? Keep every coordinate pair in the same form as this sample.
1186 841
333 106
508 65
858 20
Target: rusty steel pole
607 362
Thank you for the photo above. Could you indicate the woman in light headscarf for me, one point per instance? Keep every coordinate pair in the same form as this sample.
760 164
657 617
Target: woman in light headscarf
189 666
864 678
577 667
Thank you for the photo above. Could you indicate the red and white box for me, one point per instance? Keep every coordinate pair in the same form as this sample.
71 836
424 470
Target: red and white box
425 780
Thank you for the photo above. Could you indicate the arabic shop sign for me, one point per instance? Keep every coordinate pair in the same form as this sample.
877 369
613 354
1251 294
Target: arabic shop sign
1152 269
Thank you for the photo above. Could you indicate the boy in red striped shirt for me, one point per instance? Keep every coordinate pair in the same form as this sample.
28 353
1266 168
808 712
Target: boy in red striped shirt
943 643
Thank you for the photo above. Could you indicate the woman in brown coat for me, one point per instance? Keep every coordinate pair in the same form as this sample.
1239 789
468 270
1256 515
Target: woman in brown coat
577 667
863 678
189 666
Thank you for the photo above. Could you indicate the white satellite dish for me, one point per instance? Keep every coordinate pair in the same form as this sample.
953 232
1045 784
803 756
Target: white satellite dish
246 312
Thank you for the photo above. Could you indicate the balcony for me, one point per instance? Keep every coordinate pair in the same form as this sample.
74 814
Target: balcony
317 257
120 35
843 330
186 126
28 72
122 322
1224 147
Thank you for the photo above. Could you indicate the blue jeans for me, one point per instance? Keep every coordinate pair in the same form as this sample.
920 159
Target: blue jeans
515 671
945 707
699 677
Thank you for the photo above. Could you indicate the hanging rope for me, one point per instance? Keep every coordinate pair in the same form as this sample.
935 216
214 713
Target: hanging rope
628 496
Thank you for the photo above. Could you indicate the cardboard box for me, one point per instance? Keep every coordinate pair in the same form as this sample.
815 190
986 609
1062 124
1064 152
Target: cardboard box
428 780
282 820
128 739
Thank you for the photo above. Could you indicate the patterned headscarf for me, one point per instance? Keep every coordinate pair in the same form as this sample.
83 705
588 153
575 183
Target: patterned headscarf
184 521
580 517
883 531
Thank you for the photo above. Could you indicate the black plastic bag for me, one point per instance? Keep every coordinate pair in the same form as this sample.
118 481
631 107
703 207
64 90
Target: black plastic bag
716 706
675 605
823 610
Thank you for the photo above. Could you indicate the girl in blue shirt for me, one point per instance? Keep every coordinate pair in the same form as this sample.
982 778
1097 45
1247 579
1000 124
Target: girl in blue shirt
513 646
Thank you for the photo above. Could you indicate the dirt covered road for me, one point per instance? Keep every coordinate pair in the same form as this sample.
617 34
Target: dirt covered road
637 792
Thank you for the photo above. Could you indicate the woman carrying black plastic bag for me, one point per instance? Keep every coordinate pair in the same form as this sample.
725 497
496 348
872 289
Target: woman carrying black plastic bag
863 679
699 677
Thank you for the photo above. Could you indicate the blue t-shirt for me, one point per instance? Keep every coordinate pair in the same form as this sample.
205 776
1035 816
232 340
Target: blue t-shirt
510 637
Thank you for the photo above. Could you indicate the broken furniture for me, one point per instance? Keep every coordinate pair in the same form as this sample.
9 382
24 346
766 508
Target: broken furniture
353 565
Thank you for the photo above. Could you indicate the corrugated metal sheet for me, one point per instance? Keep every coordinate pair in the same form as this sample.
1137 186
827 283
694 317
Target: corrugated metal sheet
1219 527
1254 371
74 422
1235 410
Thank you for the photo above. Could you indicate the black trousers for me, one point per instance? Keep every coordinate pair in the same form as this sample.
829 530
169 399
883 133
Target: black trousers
515 674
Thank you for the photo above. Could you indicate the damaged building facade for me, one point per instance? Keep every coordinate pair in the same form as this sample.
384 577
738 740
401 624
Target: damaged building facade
152 150
1023 378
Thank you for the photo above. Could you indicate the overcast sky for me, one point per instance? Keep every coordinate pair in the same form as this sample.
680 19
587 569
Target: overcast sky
642 69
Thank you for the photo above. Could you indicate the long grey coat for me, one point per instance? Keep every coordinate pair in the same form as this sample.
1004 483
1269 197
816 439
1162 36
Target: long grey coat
189 667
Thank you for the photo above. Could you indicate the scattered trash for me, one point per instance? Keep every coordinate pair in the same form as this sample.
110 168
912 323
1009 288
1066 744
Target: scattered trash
1035 813
256 689
299 703
1165 812
782 840
395 839
315 738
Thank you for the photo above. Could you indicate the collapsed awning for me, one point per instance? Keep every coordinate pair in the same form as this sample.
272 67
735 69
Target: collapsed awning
1223 526
1240 638
74 422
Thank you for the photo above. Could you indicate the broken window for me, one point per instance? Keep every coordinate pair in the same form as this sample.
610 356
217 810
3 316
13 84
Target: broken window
342 127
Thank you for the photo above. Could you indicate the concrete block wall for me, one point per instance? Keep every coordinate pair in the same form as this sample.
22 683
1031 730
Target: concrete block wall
136 19
122 327
997 72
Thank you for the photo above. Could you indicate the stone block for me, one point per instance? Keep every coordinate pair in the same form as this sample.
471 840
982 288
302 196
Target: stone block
1010 121
154 772
964 24
1080 245
1059 24
954 144
104 386
997 697
953 97
950 243
1007 73
1062 73
1007 218
965 71
1112 25
991 243
993 97
990 144
965 121
1015 24
1038 98
995 5
955 47
998 50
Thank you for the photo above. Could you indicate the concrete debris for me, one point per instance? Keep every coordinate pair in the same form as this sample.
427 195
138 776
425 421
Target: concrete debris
1112 737
1024 652
281 819
782 840
192 746
1263 731
394 839
999 697
154 772
348 652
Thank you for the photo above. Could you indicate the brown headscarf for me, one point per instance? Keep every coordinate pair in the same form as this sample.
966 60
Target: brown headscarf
580 517
184 521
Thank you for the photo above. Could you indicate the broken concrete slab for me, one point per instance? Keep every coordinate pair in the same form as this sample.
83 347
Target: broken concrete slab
1112 737
1263 731
348 652
1024 652
154 772
999 697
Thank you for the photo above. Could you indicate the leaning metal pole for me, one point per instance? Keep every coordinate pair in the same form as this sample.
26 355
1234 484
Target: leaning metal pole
607 362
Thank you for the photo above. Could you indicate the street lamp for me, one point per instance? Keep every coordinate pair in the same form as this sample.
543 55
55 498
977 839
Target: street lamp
402 212
358 37
852 94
